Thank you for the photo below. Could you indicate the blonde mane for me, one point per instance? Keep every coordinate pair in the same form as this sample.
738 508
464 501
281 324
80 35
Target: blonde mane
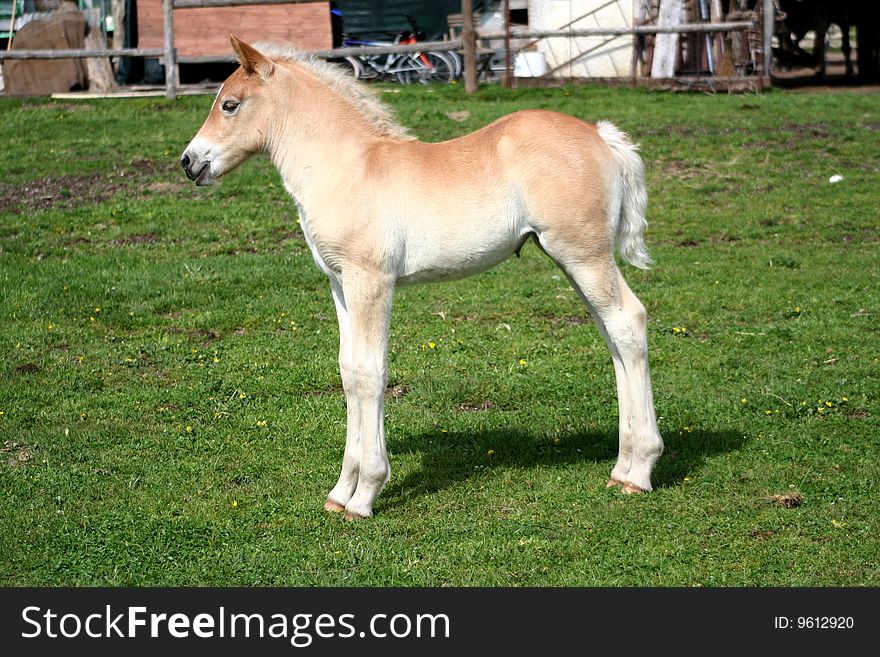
358 95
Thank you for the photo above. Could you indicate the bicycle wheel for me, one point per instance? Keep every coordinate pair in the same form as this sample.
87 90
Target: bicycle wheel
457 62
350 66
426 67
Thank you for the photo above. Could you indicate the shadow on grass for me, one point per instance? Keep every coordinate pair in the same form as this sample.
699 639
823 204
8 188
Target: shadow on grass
448 458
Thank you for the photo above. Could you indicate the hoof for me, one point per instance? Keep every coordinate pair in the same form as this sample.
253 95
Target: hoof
351 516
613 482
630 489
332 506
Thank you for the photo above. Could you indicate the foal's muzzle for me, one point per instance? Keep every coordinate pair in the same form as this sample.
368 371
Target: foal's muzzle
197 175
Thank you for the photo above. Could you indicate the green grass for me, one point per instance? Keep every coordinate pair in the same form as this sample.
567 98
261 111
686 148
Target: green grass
171 409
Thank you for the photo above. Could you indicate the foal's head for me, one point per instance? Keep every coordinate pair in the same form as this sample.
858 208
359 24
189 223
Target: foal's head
237 125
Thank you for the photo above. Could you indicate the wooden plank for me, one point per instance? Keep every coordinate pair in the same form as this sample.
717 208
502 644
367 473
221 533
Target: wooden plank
201 32
139 92
100 71
710 83
338 53
684 28
172 70
80 54
189 4
469 44
666 46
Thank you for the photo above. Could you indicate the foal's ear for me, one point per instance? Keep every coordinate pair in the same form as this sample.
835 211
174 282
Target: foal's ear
251 60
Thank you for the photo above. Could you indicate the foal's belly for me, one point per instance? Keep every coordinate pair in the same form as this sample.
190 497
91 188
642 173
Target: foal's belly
452 249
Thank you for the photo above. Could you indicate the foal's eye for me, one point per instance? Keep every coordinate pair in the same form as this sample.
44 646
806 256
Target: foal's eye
230 106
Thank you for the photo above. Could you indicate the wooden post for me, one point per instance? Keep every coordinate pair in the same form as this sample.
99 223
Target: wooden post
769 18
718 45
171 72
508 73
469 45
11 26
118 24
99 70
666 45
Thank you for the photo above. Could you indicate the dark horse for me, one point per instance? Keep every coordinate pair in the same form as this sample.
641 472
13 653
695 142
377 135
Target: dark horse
802 16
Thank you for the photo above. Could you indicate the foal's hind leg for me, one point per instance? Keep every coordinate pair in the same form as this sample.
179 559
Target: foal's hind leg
622 320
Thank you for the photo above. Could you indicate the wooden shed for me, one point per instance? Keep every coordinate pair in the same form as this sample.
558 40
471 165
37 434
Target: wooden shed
204 31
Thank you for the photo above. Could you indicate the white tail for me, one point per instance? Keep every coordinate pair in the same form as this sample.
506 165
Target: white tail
630 223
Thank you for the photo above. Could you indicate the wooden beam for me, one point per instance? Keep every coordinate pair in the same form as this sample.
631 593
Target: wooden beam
80 54
685 28
666 47
508 68
339 53
191 4
469 45
769 19
172 73
422 46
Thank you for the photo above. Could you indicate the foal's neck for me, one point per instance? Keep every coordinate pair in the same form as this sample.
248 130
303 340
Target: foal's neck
316 133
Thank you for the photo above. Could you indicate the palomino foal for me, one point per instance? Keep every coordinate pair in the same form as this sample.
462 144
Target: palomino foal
375 214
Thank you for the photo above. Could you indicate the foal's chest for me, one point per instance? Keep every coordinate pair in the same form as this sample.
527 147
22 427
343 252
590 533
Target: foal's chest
309 235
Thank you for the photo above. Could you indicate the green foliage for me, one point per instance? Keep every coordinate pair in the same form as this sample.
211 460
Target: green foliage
171 413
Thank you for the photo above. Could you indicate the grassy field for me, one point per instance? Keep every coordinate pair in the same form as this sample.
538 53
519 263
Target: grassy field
171 412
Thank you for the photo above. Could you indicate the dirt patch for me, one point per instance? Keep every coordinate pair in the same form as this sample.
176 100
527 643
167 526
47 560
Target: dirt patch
688 243
482 406
15 454
571 320
762 534
134 240
162 187
397 390
394 391
787 500
666 169
463 115
54 107
291 235
207 336
73 191
323 392
28 368
47 193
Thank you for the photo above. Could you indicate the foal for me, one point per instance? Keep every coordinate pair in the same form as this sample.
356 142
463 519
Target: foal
375 215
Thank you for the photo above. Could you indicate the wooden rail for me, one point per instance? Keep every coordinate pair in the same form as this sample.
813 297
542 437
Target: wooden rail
80 54
687 28
171 60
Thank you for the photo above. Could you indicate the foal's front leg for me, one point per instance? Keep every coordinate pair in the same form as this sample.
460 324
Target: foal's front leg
348 477
367 300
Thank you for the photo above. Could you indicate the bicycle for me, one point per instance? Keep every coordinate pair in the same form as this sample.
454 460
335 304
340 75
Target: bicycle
406 68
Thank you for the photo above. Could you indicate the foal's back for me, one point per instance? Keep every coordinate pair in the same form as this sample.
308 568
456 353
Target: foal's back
472 201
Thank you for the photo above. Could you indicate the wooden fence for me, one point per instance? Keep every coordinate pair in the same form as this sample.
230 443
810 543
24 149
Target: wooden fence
170 58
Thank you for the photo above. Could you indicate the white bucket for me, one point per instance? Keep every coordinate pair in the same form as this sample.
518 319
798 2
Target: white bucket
529 65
